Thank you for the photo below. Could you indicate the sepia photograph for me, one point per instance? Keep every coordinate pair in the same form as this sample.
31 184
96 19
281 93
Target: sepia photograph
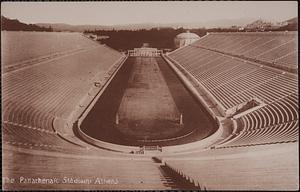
150 95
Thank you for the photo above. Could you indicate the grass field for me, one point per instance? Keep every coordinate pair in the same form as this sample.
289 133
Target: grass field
147 108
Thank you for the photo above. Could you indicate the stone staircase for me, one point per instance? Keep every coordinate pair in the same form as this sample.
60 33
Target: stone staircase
172 180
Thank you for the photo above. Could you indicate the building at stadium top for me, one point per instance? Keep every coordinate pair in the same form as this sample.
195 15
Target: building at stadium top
145 50
184 39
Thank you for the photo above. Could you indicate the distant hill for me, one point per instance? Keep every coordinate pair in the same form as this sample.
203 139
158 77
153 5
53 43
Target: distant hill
260 25
293 20
290 25
15 25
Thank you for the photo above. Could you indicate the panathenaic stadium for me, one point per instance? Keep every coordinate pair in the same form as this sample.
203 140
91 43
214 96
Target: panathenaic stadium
220 113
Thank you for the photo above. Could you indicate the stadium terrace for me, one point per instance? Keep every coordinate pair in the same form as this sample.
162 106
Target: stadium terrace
220 112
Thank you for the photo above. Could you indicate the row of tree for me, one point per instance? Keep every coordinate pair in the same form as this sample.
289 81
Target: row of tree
162 38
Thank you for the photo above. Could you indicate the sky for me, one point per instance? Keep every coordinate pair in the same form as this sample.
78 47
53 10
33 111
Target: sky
119 13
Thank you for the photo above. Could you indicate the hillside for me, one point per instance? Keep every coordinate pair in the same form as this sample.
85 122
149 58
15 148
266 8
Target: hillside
290 25
15 25
261 25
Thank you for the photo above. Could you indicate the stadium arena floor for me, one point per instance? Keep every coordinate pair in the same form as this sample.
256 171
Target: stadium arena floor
161 98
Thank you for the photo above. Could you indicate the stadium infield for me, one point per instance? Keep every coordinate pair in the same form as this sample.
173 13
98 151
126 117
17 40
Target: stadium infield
146 92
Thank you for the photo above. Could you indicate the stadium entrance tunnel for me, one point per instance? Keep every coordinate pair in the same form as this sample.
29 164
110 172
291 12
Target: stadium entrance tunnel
146 104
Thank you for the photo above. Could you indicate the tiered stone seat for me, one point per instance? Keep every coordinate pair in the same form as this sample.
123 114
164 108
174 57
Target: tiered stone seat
34 96
233 81
273 123
234 88
107 171
264 167
17 46
28 136
268 47
265 47
288 59
277 52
